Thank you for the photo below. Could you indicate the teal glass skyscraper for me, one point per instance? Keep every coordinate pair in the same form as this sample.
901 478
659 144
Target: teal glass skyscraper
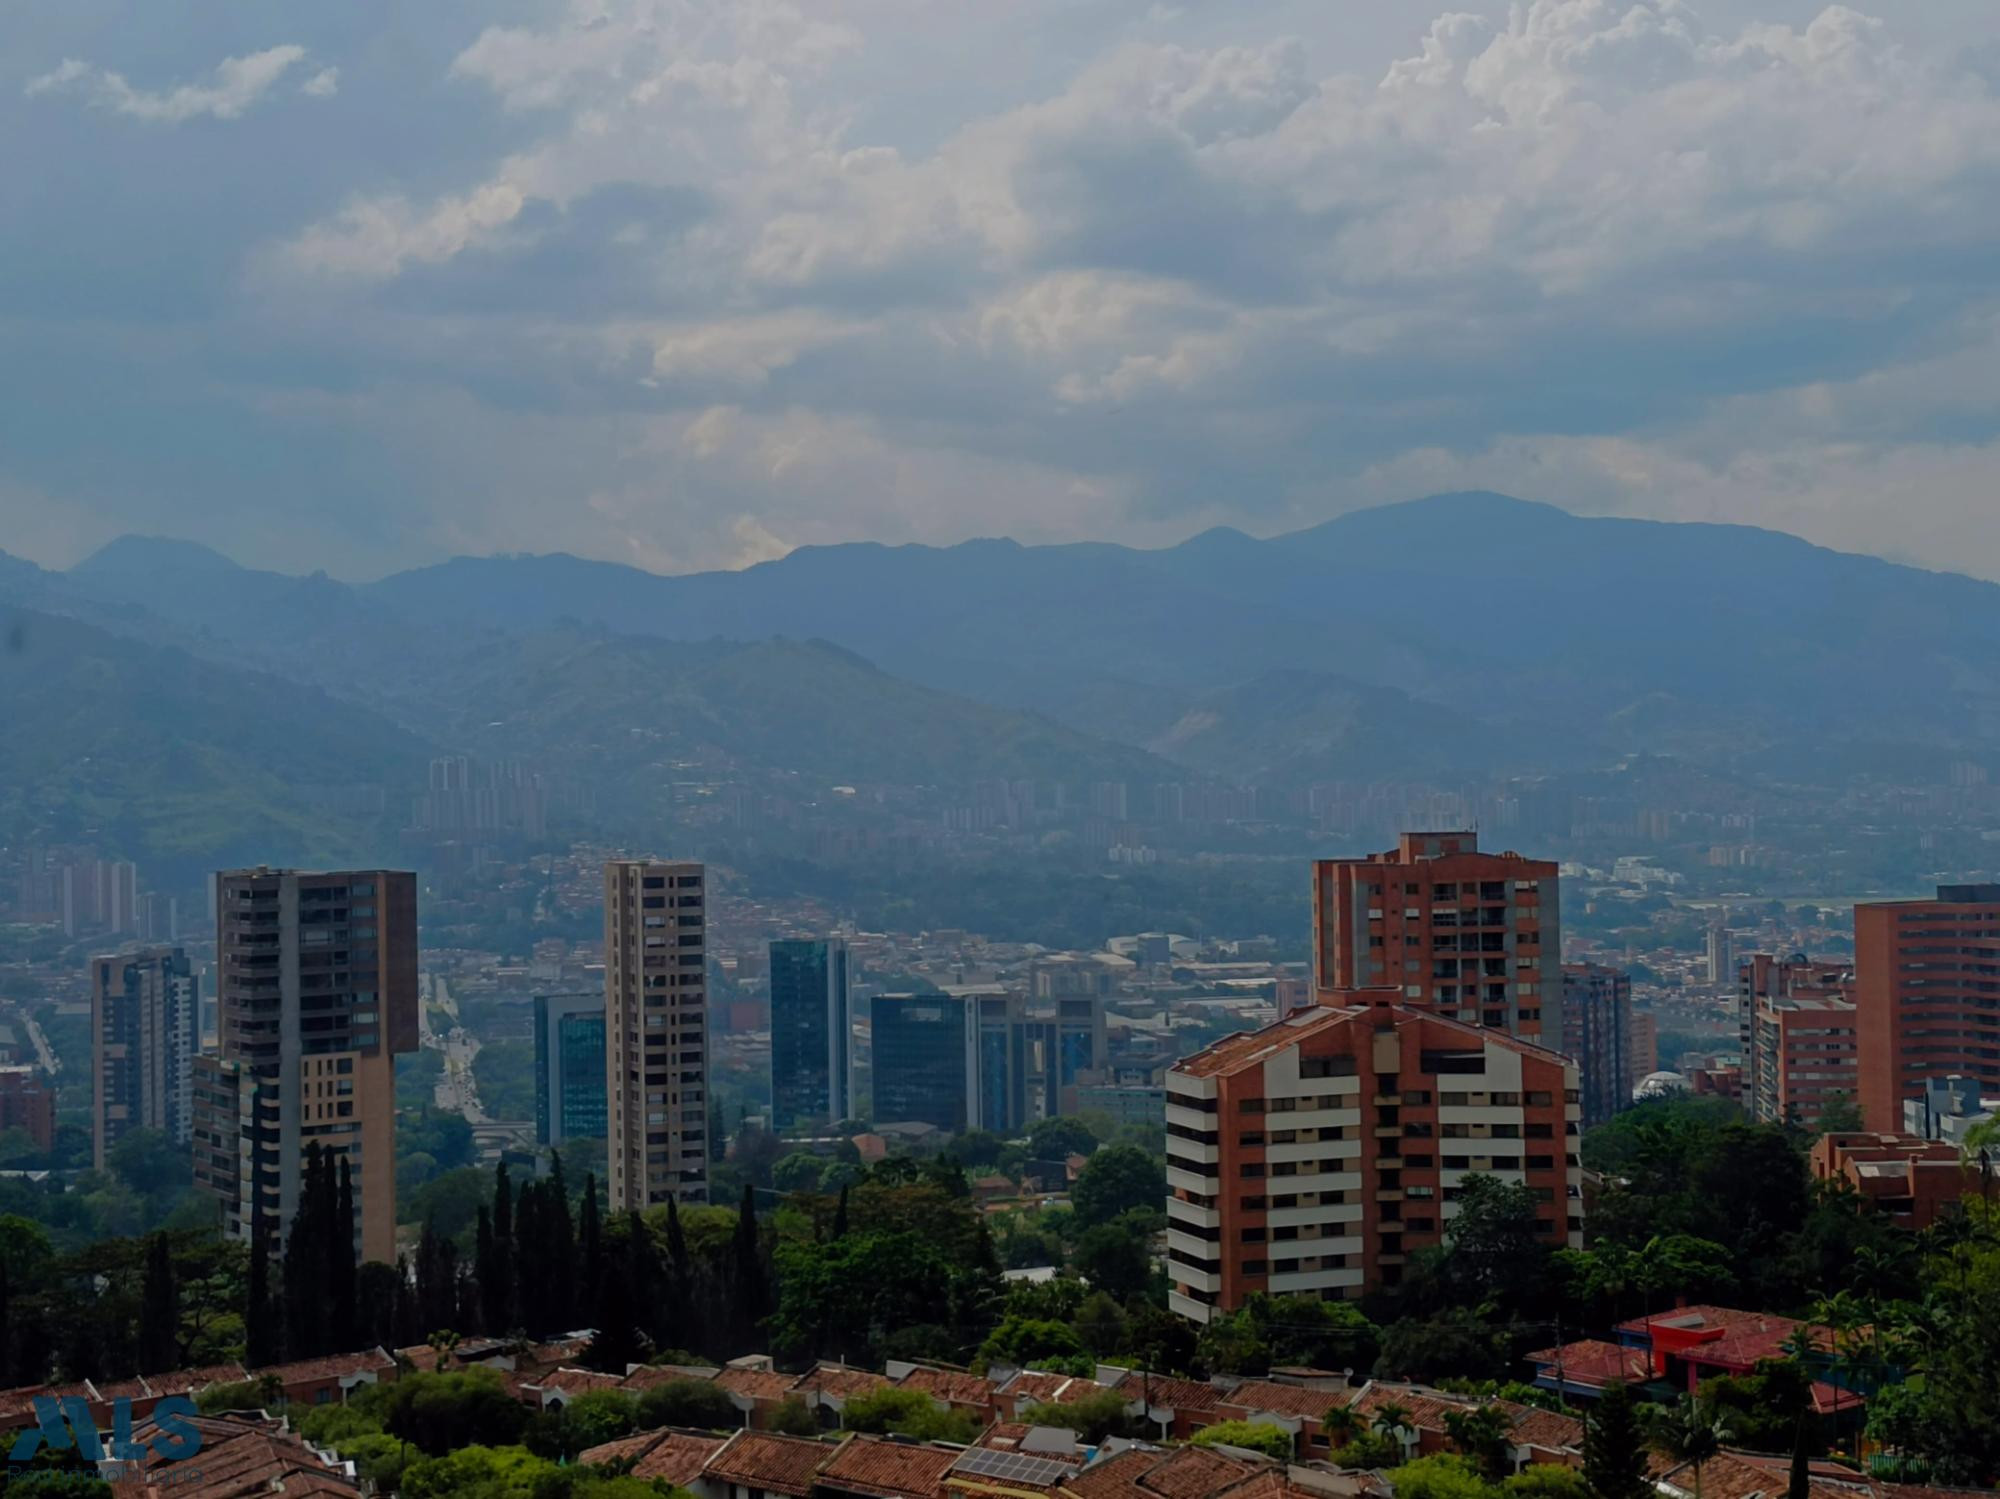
811 1040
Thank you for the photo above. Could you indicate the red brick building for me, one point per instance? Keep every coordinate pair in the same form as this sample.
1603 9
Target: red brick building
28 1101
1914 1181
1474 936
1313 1156
1926 996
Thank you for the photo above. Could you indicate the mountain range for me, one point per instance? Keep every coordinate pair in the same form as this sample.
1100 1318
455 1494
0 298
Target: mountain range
1460 634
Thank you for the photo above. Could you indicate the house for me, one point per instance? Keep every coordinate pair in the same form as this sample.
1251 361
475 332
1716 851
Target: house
762 1465
675 1457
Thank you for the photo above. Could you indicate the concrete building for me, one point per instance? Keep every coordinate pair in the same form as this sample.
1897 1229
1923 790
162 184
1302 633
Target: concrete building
569 1067
316 996
145 1011
1948 1108
1762 976
1597 1011
1926 996
1472 936
1314 1156
812 1048
656 1031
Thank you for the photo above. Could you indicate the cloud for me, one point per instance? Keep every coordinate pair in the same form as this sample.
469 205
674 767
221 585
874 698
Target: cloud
237 83
322 85
687 280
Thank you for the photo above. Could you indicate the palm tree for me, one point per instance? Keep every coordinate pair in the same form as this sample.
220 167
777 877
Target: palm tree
1690 1431
1341 1425
1481 1435
1394 1421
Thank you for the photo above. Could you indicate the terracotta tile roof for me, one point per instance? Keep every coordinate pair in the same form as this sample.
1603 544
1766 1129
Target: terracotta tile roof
1034 1387
953 1386
1593 1361
1195 1473
1168 1393
574 1381
332 1366
1552 1431
840 1381
421 1356
238 1459
1693 1318
755 1384
18 1404
1115 1477
1426 1411
1008 1436
1731 1476
765 1460
186 1381
1234 1053
647 1376
677 1457
1283 1399
886 1469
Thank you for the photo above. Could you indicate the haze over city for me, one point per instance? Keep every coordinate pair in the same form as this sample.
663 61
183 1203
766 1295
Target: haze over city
902 749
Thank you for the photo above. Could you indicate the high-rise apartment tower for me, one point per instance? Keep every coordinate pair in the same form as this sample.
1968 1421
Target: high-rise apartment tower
1926 996
656 1031
1471 936
144 1034
316 995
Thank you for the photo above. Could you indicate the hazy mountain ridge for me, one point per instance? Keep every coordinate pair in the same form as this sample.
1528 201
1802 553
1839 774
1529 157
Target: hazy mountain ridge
1458 633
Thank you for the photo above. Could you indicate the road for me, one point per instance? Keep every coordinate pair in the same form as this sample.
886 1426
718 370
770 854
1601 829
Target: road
457 1090
45 1053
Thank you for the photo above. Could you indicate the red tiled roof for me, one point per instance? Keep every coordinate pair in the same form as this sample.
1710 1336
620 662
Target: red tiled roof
186 1381
238 1459
840 1381
1593 1361
1034 1387
1283 1399
332 1366
575 1381
953 1386
677 1457
1169 1393
1426 1411
888 1470
1551 1431
755 1384
1115 1477
647 1376
766 1460
1195 1473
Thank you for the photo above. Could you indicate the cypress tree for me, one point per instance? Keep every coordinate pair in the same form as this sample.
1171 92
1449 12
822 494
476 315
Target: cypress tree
749 1282
159 1310
485 1281
7 1371
345 1278
499 1297
1614 1448
259 1335
307 1258
437 1283
840 1214
590 1246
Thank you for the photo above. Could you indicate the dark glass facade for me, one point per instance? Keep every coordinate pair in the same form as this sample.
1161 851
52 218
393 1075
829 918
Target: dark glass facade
923 1059
569 1068
810 1031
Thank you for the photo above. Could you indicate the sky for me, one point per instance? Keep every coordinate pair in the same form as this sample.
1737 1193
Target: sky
688 283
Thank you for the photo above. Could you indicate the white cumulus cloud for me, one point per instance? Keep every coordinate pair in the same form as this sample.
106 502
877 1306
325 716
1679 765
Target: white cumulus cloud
236 84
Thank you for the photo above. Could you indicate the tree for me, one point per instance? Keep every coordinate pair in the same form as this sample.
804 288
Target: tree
1445 1476
1393 1420
1840 1115
1546 1481
1094 1418
1272 1330
1481 1436
1116 1180
696 1403
496 1279
1101 1325
1114 1259
1460 1341
1060 1138
791 1418
1614 1448
1690 1431
1368 1450
438 1413
1022 1341
800 1171
749 1277
1252 1436
159 1310
1341 1424
908 1413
